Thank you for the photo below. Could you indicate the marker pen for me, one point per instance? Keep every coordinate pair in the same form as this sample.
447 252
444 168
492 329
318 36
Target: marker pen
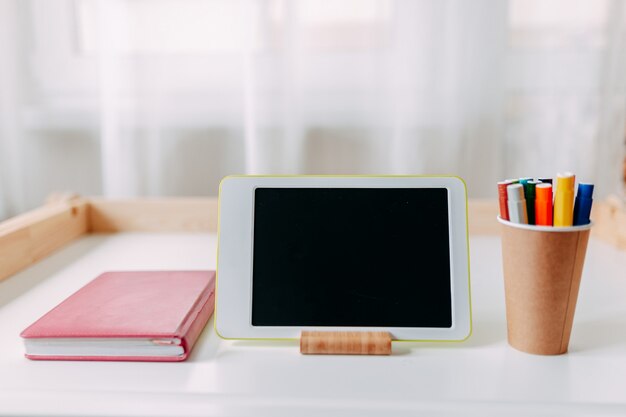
545 180
564 199
502 199
517 203
582 206
543 204
529 195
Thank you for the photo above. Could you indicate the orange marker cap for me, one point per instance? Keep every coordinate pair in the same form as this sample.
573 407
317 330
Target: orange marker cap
543 191
543 204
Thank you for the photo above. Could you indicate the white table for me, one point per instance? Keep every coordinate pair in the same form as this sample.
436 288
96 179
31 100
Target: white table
481 377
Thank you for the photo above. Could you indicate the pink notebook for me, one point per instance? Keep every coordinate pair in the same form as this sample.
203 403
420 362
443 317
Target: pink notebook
126 316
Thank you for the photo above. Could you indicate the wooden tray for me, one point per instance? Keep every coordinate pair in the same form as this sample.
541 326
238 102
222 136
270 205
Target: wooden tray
27 238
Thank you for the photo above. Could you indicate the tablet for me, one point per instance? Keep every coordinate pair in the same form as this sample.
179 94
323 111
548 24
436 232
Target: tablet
343 253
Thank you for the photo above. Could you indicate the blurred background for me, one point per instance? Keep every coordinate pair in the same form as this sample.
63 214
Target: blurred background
164 97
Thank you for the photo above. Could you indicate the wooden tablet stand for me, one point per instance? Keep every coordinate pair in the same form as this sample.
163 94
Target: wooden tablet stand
345 343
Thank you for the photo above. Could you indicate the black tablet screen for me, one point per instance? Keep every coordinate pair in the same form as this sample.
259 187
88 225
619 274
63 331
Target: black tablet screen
351 257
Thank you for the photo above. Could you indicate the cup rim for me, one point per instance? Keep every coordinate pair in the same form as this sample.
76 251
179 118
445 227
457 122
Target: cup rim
536 228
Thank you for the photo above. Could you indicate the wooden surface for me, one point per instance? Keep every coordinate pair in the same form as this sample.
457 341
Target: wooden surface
609 219
26 239
153 215
200 215
345 343
482 217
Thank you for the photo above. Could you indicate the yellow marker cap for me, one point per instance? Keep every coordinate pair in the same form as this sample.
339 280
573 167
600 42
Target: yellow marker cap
564 199
565 181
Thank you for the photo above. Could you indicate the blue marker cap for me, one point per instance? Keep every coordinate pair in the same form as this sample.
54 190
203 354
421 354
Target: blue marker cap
582 205
585 190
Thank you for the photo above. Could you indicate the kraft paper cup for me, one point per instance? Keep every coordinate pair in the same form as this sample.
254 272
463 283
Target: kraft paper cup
542 271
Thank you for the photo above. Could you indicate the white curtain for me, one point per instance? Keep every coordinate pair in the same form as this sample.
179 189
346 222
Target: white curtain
164 97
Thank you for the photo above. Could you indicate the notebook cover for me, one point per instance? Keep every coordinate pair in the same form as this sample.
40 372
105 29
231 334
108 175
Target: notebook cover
141 304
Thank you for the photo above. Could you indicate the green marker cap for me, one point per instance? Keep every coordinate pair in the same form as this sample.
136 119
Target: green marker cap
529 188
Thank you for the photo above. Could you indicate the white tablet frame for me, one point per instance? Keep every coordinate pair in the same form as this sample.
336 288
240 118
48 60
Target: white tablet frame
233 310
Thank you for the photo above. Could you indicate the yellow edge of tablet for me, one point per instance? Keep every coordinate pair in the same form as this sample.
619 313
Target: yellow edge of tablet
471 327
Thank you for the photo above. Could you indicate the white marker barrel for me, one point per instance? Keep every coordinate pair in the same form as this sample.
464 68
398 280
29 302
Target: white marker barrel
517 204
